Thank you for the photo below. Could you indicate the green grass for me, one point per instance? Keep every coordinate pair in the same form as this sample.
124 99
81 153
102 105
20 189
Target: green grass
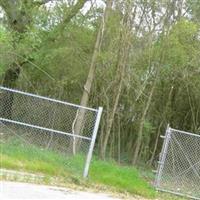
120 177
30 159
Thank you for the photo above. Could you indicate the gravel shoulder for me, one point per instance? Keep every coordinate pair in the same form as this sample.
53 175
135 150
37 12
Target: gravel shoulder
22 185
16 190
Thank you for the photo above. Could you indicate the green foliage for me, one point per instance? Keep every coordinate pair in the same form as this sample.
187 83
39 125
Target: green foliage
182 44
6 48
194 9
66 59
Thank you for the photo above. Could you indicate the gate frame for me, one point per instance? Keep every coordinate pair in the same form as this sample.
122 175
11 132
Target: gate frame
162 159
92 139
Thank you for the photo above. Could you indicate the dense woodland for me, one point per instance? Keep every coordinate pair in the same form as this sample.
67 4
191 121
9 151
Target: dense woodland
139 59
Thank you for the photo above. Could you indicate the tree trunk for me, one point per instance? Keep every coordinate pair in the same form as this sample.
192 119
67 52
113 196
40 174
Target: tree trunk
79 121
112 115
6 99
155 145
123 54
97 47
141 126
119 142
159 128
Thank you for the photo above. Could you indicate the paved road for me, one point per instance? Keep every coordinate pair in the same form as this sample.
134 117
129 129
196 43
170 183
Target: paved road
15 190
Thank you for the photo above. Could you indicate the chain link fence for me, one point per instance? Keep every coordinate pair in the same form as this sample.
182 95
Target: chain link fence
46 130
179 165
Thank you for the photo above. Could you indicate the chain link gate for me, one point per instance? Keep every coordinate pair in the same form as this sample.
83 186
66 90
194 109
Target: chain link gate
179 165
47 127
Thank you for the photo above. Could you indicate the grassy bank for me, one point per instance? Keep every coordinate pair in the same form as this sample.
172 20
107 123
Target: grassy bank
34 160
120 177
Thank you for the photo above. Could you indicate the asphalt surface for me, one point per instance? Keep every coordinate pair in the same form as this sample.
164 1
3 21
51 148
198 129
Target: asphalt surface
15 190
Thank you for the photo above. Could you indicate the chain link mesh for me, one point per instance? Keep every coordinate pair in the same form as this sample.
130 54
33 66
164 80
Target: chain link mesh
45 129
179 170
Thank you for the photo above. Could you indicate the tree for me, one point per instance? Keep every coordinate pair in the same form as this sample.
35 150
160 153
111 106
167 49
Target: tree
79 123
19 15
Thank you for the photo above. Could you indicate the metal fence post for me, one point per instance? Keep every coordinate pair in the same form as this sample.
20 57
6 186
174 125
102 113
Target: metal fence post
89 156
163 156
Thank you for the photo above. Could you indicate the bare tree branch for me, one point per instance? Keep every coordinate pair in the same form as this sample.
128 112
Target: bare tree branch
74 10
41 2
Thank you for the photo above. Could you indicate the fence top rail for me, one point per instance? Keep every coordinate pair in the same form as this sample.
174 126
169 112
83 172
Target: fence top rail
46 98
187 133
